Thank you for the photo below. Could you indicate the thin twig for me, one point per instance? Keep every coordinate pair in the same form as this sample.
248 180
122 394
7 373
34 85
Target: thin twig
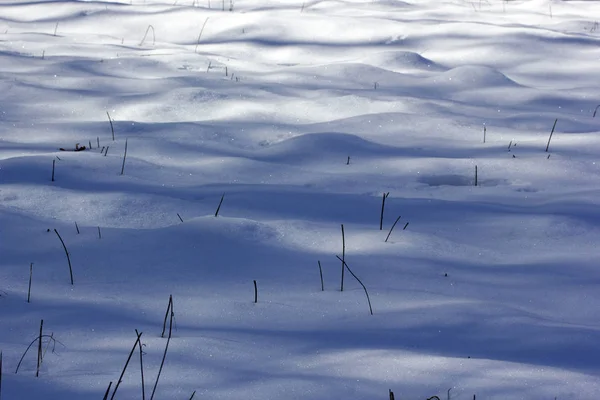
200 35
124 157
146 34
321 273
385 195
141 366
169 308
31 344
393 226
30 278
112 128
107 391
164 354
139 335
67 253
343 257
551 132
359 281
219 207
51 340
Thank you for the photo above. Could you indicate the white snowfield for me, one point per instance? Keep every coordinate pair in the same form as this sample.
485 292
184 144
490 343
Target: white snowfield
300 116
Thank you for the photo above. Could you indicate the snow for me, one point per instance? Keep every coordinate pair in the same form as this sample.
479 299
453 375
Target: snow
491 290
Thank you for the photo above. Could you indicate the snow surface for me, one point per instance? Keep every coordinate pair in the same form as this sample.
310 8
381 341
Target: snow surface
491 289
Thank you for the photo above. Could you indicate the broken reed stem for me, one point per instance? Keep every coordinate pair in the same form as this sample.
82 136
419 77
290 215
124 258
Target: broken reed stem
393 226
90 144
67 253
107 391
405 226
348 162
146 34
551 132
169 308
391 395
55 28
359 281
385 195
139 335
200 35
484 132
181 219
99 234
53 166
77 227
141 366
39 356
30 278
595 111
29 347
343 257
98 141
255 292
162 363
124 157
476 175
321 273
0 375
106 151
219 207
193 394
112 128
50 340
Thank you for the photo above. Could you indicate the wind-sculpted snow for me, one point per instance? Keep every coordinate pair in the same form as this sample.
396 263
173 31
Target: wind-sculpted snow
299 117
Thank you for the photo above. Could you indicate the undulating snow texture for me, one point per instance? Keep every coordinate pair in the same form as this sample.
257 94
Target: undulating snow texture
300 117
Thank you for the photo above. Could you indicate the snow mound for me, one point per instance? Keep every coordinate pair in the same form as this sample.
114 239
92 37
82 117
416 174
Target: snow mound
322 146
475 76
403 61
